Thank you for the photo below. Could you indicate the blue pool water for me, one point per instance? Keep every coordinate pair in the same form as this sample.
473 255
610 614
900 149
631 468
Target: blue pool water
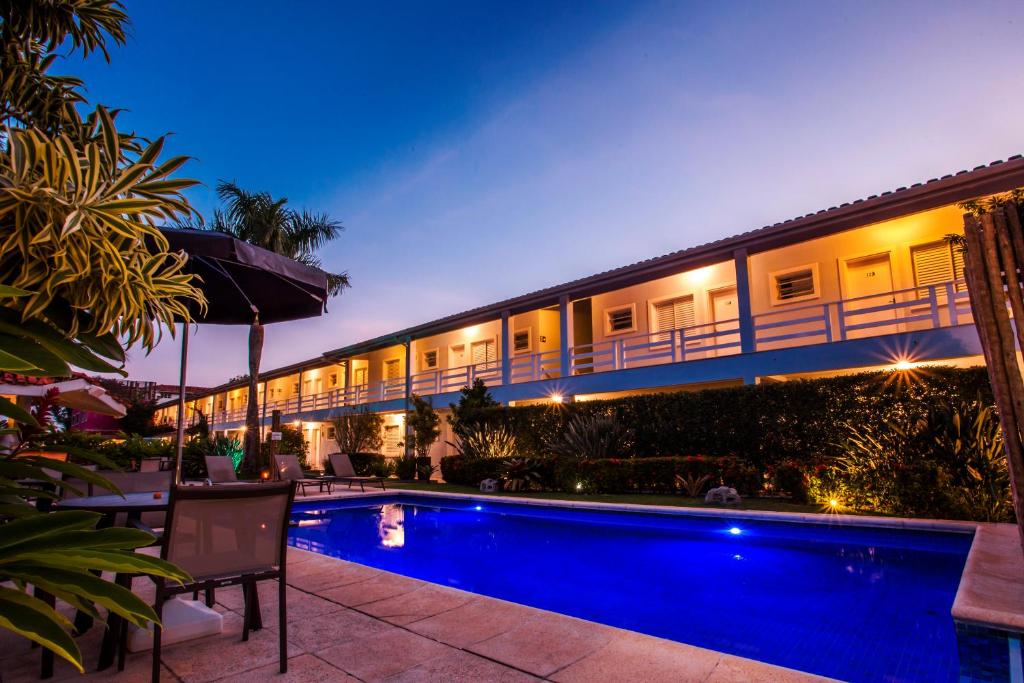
853 603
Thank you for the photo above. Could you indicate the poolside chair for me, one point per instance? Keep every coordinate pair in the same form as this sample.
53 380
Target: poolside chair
288 469
220 469
226 536
344 472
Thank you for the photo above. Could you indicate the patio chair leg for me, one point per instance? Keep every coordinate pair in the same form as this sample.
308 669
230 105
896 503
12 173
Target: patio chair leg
247 616
282 626
211 598
158 607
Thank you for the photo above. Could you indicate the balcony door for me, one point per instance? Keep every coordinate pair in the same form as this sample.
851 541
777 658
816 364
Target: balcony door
869 285
724 308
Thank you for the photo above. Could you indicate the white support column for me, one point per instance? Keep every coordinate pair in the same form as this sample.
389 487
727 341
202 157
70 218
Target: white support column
408 397
506 357
747 340
564 326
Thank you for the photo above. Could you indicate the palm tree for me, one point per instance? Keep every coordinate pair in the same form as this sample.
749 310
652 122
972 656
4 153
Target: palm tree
260 219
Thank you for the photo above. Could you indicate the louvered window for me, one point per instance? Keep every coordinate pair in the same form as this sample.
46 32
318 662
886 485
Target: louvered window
430 359
482 352
675 313
392 370
937 263
798 284
621 320
359 376
521 341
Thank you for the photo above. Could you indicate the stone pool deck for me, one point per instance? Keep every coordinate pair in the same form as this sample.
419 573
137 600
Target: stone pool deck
349 622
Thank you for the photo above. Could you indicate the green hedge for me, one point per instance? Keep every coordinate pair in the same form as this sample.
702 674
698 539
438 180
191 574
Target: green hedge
764 423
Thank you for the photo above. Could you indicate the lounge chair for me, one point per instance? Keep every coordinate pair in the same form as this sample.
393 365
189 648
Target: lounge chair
288 469
226 536
345 473
220 469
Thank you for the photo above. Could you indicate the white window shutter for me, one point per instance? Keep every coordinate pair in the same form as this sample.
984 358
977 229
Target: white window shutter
933 264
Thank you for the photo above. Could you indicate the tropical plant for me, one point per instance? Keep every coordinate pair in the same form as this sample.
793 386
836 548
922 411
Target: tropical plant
358 431
425 469
423 421
693 484
259 218
945 463
59 552
591 437
82 269
481 441
522 474
405 468
474 402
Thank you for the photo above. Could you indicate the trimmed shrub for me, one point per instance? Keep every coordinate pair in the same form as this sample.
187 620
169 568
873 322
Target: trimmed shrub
470 471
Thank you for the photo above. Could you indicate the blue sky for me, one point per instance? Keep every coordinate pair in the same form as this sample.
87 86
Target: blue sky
475 151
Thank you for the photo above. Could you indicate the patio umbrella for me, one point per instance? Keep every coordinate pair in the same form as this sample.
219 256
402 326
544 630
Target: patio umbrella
242 282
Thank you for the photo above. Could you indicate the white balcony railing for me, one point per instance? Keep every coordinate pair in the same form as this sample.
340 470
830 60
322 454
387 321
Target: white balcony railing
920 308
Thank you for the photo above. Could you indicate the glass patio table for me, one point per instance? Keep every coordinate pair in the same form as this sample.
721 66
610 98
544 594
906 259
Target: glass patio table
110 505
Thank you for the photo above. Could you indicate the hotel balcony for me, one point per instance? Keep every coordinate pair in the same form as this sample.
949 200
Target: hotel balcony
927 323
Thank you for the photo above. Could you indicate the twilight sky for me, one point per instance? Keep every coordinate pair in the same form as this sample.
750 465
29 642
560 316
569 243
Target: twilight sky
475 151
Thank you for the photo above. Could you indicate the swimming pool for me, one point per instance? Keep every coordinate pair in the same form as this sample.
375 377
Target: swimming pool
855 603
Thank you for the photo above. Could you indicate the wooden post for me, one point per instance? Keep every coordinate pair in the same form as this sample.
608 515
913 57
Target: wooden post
985 286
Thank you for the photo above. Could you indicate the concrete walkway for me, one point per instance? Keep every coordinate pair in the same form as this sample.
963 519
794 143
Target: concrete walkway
351 622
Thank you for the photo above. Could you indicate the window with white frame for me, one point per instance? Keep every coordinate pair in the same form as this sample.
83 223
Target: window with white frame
482 352
429 359
674 314
521 341
392 369
937 263
794 284
620 319
359 376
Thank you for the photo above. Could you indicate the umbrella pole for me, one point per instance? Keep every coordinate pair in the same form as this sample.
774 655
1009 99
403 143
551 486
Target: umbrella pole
181 402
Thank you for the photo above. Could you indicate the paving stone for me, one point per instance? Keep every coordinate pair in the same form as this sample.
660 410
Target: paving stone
473 622
327 630
460 667
302 669
545 644
419 604
376 657
373 589
633 659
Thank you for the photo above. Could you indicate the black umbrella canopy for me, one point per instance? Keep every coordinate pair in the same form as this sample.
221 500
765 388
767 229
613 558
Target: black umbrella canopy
242 282
240 279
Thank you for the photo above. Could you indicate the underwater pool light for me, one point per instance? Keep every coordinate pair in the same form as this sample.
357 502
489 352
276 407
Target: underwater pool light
478 508
735 531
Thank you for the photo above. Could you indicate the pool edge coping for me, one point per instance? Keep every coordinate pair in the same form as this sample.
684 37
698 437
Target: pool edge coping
952 525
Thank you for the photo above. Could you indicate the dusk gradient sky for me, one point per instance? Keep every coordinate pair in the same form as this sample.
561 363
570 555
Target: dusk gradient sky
476 151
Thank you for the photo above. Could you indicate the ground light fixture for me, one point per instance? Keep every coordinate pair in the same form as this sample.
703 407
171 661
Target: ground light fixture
556 398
